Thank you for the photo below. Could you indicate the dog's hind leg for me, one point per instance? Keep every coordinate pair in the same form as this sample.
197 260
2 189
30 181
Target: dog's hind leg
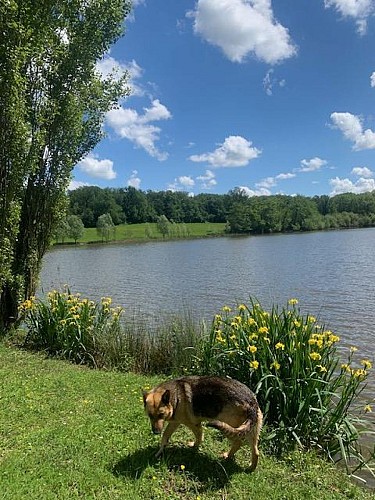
253 441
198 434
170 429
236 445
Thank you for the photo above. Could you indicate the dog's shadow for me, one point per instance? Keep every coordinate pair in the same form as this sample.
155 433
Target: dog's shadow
210 472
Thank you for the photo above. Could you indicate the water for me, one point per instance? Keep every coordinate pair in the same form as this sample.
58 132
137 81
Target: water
332 274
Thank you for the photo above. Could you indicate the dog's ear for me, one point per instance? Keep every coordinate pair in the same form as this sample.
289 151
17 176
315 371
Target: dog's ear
166 397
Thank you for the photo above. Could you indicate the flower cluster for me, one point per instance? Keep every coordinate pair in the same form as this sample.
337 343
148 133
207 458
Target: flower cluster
67 325
293 365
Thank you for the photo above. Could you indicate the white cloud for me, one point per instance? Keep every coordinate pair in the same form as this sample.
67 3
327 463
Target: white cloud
77 184
372 79
110 67
312 165
182 183
235 151
139 129
186 180
362 185
208 180
101 169
257 192
363 172
270 182
352 128
267 183
241 28
133 180
360 10
269 82
283 177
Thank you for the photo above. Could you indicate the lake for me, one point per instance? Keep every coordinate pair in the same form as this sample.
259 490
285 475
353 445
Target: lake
332 274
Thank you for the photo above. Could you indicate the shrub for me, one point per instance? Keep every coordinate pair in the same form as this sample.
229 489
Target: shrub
77 329
294 367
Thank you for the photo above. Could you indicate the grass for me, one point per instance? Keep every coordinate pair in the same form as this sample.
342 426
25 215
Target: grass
71 432
148 231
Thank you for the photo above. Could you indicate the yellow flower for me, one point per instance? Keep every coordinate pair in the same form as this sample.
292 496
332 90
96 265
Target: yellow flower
242 307
263 329
254 364
311 319
359 373
280 345
296 323
366 363
293 302
276 365
226 309
252 349
323 369
315 356
368 409
353 348
251 321
345 367
182 467
334 338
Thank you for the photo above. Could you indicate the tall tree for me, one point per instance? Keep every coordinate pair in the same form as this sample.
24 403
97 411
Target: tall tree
52 105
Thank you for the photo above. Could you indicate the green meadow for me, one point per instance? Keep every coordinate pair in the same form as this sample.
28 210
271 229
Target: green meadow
149 231
68 431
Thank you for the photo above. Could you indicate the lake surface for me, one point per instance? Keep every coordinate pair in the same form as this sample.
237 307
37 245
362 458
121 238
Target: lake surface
332 274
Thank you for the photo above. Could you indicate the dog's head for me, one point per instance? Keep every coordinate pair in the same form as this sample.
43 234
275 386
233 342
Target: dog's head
158 407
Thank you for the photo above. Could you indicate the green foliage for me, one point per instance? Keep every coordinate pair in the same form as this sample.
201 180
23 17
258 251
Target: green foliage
293 366
105 227
73 328
53 103
163 225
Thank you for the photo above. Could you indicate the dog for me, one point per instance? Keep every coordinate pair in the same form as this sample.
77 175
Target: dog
226 404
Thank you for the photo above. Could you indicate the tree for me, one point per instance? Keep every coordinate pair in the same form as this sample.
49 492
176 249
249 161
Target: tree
52 106
105 227
163 225
75 227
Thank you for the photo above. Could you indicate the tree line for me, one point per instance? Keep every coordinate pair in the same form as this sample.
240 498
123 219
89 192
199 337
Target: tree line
257 215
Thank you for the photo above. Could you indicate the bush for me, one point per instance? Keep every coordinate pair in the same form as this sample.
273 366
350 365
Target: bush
293 366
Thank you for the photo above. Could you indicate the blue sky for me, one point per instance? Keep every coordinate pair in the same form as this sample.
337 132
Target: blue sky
271 96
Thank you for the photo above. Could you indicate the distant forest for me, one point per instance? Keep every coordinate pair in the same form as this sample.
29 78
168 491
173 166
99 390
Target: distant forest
258 215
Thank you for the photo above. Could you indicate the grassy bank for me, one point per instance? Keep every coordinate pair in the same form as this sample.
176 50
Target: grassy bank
149 231
71 432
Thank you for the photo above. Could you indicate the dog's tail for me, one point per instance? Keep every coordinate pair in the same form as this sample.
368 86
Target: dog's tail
252 424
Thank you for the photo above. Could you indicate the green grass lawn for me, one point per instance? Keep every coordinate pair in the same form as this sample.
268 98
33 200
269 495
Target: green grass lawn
149 232
71 432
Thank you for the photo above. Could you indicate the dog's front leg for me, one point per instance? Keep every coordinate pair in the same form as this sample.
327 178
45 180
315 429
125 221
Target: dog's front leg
170 429
198 434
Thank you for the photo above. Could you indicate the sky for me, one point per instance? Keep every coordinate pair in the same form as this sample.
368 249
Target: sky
274 97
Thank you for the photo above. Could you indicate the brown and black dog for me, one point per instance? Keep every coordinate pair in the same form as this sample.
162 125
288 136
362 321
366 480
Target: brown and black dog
227 405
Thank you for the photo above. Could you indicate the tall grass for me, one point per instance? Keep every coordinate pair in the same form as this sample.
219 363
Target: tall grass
307 393
96 334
